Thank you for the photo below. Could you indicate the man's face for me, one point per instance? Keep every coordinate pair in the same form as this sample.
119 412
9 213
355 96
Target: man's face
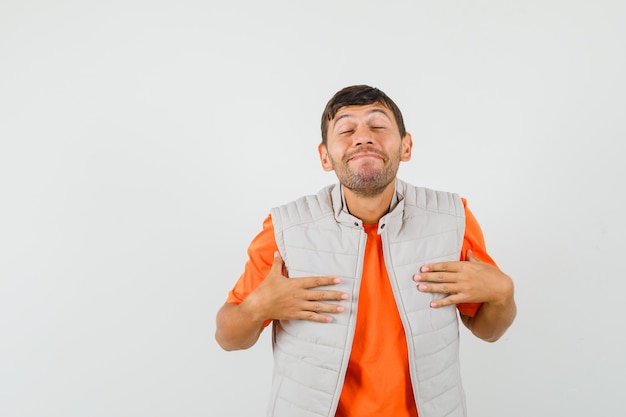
364 148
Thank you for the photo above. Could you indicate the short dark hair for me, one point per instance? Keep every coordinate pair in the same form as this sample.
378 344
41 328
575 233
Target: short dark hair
359 95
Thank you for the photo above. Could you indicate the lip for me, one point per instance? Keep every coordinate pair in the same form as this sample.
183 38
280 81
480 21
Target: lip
365 155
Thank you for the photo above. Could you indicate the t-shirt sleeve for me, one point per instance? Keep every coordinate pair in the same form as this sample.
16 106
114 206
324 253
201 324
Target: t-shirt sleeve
260 257
475 242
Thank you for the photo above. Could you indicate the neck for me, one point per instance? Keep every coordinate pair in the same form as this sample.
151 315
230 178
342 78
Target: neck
369 209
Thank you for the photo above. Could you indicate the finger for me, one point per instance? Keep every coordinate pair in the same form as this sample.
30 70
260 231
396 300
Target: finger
471 257
277 264
316 312
322 295
320 281
437 288
446 301
435 277
319 307
312 316
452 266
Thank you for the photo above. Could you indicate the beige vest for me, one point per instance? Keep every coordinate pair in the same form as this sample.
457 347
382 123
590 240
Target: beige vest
317 236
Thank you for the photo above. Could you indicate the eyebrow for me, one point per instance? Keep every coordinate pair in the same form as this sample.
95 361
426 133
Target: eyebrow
348 115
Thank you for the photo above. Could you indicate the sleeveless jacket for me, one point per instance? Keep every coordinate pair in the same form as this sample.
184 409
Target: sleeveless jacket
317 236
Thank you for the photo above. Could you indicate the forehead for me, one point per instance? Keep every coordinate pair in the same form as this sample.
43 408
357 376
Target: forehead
368 110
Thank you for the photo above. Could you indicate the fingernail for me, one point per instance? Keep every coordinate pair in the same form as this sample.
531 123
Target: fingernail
340 309
433 304
417 277
424 268
344 296
422 287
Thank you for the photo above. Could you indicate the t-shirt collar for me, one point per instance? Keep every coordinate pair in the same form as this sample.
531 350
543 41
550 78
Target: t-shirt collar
394 199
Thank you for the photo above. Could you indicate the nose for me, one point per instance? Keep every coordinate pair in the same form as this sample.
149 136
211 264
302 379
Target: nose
362 136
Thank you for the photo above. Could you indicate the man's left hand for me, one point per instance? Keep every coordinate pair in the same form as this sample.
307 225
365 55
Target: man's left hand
471 281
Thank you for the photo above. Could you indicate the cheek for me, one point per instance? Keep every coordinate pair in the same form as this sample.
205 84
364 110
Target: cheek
336 152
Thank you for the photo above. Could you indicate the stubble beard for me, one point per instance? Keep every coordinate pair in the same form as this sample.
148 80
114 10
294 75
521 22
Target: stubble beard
368 181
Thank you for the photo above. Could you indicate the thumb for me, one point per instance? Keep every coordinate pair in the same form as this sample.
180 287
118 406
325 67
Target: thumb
471 257
277 263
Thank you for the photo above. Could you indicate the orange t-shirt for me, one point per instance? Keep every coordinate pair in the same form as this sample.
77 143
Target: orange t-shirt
373 386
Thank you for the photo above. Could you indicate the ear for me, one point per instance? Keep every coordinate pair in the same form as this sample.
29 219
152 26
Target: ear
324 159
407 145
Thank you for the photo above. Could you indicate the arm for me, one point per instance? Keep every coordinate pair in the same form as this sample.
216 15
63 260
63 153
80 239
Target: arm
277 297
236 327
496 315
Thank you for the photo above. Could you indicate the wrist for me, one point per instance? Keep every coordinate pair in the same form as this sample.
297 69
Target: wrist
251 309
505 295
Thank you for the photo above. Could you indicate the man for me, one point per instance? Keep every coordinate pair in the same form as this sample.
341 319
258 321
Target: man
363 280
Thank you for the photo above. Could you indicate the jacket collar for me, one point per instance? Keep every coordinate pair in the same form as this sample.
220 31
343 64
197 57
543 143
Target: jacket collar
343 216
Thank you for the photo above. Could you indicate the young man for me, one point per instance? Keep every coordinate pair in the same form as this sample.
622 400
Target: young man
363 281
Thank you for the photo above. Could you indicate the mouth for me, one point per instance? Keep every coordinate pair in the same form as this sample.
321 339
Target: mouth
363 155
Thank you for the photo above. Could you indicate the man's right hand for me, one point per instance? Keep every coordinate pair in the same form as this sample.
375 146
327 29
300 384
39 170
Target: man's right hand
277 297
282 298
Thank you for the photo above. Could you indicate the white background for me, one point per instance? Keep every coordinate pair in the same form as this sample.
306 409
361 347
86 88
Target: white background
143 142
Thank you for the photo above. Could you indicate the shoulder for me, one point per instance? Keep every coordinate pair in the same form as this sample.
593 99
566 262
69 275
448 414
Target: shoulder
430 199
305 208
